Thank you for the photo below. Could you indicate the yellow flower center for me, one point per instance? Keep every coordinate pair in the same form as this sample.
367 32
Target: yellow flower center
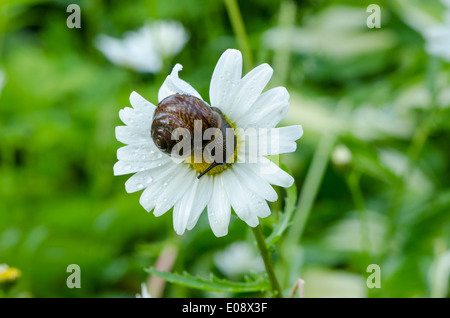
202 166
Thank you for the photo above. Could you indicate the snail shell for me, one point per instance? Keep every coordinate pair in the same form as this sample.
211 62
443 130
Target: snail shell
181 111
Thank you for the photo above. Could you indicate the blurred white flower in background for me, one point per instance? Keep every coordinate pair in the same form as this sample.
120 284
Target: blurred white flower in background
369 123
348 234
145 49
438 37
324 34
424 18
238 259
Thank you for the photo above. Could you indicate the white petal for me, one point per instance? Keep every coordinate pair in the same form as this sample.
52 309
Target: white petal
279 140
272 173
174 85
268 110
152 194
143 179
250 87
139 118
140 103
184 207
125 167
202 197
136 118
225 79
219 209
132 135
255 182
237 195
173 189
140 152
257 206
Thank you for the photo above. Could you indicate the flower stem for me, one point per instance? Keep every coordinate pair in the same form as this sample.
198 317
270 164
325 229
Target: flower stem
314 178
260 240
239 30
311 187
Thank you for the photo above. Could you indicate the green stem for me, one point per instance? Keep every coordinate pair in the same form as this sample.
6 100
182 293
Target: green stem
353 181
282 54
314 178
311 187
260 240
239 30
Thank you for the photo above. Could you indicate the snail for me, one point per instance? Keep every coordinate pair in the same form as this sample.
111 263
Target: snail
182 111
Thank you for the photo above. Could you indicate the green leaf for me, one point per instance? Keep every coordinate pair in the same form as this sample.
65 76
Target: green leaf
290 203
260 284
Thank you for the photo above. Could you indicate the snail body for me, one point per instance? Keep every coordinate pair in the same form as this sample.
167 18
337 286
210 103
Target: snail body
182 111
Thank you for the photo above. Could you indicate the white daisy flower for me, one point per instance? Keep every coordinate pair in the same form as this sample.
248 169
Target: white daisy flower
243 186
145 49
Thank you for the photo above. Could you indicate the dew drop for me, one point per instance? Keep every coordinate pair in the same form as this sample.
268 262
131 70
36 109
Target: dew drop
148 180
140 186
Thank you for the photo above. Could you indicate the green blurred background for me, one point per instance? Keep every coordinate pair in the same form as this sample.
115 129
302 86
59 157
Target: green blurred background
373 104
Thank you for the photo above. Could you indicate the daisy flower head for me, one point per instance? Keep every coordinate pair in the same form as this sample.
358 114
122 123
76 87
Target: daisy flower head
243 181
144 50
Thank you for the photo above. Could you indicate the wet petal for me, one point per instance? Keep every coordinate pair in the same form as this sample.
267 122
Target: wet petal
225 79
219 209
174 85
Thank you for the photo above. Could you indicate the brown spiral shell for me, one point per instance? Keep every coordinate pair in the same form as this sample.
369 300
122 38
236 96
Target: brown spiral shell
180 111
